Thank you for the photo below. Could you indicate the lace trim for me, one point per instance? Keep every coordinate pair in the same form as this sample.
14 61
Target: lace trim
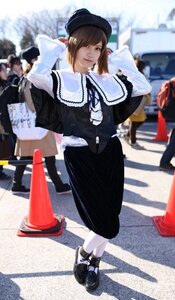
106 97
79 98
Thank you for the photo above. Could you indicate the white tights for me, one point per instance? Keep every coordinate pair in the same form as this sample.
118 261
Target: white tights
95 243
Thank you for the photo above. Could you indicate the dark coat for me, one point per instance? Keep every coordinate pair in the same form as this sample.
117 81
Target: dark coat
8 95
13 78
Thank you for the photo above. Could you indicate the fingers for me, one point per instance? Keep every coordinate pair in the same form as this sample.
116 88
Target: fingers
63 40
109 51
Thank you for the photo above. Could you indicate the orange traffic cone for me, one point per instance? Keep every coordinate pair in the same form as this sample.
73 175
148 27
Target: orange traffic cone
166 224
41 221
161 129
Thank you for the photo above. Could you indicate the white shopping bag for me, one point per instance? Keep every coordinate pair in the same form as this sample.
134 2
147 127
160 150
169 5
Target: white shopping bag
23 122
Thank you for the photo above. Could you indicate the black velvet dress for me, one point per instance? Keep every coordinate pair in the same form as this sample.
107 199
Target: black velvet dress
97 185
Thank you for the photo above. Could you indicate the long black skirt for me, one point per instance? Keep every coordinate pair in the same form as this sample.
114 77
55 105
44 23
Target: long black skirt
97 185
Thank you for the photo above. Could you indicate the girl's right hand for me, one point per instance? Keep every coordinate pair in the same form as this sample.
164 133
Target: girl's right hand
63 40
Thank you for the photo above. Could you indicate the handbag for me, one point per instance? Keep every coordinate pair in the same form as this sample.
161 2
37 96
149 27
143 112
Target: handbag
23 122
5 147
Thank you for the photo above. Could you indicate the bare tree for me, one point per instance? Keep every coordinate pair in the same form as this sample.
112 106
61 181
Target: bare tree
45 22
27 39
171 15
6 47
4 23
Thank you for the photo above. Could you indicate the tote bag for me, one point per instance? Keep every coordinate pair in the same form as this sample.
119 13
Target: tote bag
23 122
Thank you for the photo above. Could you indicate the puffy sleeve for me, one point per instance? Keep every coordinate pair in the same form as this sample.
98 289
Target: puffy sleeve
50 51
124 109
122 60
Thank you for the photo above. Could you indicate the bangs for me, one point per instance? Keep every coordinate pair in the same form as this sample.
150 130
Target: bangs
89 35
84 36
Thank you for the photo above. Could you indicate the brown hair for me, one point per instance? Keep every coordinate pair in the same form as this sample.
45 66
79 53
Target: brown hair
26 68
84 36
13 59
140 64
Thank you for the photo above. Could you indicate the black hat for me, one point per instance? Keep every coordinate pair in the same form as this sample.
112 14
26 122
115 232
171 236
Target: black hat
30 53
83 17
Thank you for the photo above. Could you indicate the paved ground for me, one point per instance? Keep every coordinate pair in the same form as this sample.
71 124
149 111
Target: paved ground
138 264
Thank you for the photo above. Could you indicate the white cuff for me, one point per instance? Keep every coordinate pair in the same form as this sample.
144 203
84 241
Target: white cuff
123 60
50 50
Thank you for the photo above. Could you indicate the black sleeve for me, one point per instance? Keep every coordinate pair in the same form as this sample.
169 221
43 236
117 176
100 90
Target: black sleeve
14 79
124 109
7 96
48 113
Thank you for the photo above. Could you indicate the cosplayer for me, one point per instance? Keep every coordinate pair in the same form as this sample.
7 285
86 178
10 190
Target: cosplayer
86 105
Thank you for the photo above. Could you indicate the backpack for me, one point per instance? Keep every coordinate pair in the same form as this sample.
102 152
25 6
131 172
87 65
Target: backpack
166 99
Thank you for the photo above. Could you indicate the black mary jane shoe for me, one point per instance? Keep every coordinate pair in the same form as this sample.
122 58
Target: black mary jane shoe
80 270
92 280
93 275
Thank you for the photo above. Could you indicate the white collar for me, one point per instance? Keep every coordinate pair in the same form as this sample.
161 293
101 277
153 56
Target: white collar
72 89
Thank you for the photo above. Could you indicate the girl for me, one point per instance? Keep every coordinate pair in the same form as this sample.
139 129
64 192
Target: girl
89 105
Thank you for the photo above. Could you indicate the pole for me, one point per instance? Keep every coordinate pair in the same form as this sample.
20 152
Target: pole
16 162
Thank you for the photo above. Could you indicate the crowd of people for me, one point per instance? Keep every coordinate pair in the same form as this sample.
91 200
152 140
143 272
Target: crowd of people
13 74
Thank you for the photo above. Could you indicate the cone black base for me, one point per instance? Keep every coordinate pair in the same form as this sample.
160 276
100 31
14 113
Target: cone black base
56 230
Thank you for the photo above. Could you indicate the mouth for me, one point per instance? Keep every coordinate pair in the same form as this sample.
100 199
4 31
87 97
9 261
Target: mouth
89 60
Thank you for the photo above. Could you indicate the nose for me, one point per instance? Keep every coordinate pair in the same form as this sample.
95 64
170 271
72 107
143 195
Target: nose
90 52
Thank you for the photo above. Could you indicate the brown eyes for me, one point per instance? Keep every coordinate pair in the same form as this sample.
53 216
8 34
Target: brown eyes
97 48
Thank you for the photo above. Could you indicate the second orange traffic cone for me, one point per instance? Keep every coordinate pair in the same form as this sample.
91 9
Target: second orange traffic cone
161 129
40 221
166 224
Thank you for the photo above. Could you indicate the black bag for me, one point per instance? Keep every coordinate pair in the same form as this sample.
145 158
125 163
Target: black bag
5 147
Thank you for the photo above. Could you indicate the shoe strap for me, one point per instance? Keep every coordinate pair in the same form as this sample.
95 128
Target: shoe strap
95 261
92 269
84 254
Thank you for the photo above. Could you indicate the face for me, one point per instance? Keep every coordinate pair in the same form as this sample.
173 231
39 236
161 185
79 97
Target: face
86 57
17 67
3 73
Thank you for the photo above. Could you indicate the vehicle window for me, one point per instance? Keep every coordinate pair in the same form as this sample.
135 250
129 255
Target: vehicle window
162 65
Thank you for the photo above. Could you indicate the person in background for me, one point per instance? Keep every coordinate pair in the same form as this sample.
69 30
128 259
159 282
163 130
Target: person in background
14 74
4 83
15 69
47 145
137 119
168 154
87 103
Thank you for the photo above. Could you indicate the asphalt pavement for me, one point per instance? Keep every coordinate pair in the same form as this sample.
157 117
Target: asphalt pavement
138 264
